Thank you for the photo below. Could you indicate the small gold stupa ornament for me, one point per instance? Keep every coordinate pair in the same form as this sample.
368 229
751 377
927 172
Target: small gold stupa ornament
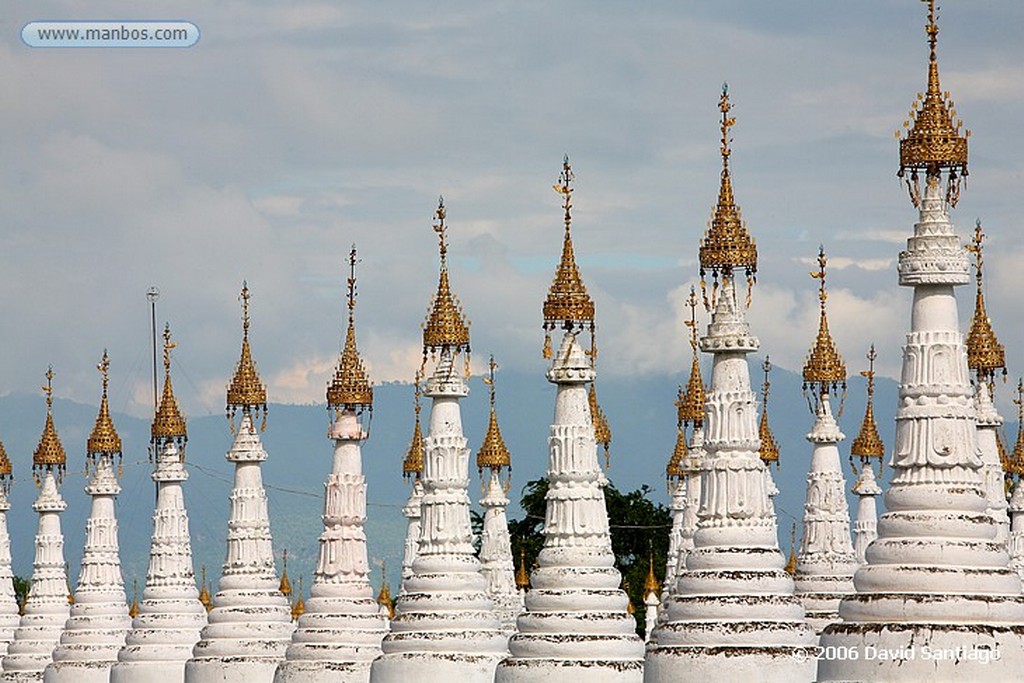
49 455
299 606
1014 467
791 562
651 583
769 447
675 470
691 404
6 471
285 587
384 596
104 439
727 245
412 466
204 591
246 393
602 431
133 609
493 453
933 143
522 573
350 389
446 327
169 421
824 371
868 444
985 355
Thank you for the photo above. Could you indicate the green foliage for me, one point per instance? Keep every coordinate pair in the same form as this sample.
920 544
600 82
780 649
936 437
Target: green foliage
21 586
639 530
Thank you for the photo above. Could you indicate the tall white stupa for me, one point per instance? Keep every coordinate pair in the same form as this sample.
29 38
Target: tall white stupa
445 627
937 587
250 625
1014 475
99 621
576 623
46 609
732 614
170 616
495 543
412 468
9 614
340 629
826 561
769 450
868 447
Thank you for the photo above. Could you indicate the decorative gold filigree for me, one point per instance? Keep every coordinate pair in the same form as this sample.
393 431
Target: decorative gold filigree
868 443
493 454
169 421
602 432
691 404
769 447
246 393
985 355
350 389
49 455
824 371
104 439
412 466
446 326
674 470
727 245
934 142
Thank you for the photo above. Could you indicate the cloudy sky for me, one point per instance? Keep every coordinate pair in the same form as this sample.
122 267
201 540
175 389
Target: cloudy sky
294 129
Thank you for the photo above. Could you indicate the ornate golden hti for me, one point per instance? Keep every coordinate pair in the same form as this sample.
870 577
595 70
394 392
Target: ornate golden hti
985 355
104 439
246 393
1015 462
49 455
493 453
350 389
412 466
691 404
727 245
6 476
446 327
934 143
868 443
769 447
169 421
824 371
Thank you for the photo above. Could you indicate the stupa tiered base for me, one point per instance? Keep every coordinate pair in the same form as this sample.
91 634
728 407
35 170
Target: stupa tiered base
161 640
89 643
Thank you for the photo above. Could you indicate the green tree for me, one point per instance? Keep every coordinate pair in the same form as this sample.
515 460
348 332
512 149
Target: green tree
21 586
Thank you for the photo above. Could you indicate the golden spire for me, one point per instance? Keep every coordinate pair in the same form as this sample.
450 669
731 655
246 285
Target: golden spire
169 421
67 585
568 305
1015 463
769 448
602 432
868 443
824 369
727 245
49 454
246 392
493 453
446 326
350 389
384 596
412 466
299 607
133 610
522 575
651 583
985 355
674 471
791 562
933 143
5 470
104 439
285 587
204 592
691 404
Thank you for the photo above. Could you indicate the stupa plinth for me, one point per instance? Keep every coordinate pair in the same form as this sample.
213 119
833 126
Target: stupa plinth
445 627
250 625
10 616
576 621
732 614
46 609
340 628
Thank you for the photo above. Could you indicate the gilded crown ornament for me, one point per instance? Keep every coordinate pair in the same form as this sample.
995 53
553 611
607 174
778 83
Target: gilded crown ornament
824 371
246 393
350 389
674 470
651 583
285 587
769 447
446 327
933 143
727 245
204 591
868 443
691 404
412 466
169 421
1015 461
493 454
6 476
568 305
522 574
104 439
985 355
299 606
384 596
49 455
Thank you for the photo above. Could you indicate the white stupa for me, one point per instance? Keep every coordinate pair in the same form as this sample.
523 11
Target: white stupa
732 614
340 629
936 580
652 598
676 482
495 543
769 449
170 616
9 614
99 620
445 627
46 609
869 448
1015 474
250 625
826 561
576 623
412 468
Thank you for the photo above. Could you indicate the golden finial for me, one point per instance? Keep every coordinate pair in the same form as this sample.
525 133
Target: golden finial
933 143
651 583
674 471
49 455
169 421
285 587
350 389
568 305
67 585
691 404
299 607
446 326
769 447
412 466
824 370
384 596
104 439
493 453
522 575
5 470
133 610
1016 460
791 562
602 432
868 443
727 245
204 592
985 355
246 392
